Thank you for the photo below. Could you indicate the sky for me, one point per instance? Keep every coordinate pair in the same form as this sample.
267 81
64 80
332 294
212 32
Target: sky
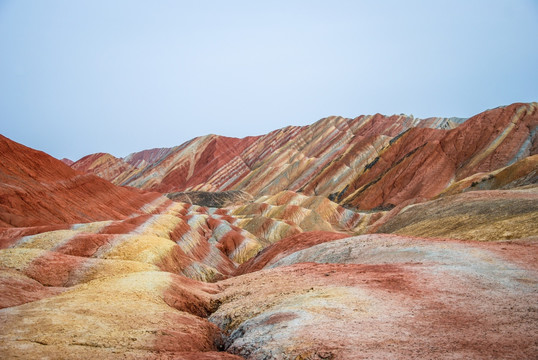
86 76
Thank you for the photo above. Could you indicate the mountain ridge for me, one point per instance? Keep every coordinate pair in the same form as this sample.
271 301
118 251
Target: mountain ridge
335 157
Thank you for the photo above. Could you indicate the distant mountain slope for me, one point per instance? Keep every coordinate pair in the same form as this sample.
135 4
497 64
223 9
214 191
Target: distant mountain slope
67 161
105 166
364 163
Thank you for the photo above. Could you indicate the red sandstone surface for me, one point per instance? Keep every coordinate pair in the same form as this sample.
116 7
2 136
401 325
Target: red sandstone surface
443 264
407 169
392 297
36 189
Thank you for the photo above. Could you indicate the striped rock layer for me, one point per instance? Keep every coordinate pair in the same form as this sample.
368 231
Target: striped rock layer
369 162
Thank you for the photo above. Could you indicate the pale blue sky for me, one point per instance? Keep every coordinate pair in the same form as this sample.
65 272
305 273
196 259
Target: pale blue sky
78 77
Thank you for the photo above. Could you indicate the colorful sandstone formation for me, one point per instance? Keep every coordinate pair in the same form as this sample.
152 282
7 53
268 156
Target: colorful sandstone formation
370 162
368 238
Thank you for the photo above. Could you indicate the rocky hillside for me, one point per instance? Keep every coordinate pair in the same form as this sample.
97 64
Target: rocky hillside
364 163
368 238
37 189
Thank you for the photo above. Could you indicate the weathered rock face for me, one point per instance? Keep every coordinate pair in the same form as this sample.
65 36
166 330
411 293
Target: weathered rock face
104 165
185 167
283 159
383 297
522 173
442 262
145 157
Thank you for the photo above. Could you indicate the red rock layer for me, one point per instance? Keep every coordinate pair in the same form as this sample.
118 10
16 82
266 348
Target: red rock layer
37 189
217 152
423 162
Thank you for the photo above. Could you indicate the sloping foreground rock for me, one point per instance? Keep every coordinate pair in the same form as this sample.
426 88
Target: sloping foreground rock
112 289
311 296
387 297
139 315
